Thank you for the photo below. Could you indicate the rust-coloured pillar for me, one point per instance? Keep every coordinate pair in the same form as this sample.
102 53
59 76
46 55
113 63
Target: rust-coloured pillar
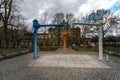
65 34
64 43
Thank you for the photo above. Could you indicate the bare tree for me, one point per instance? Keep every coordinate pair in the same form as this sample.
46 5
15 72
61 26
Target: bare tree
102 15
8 7
109 22
7 13
69 17
58 18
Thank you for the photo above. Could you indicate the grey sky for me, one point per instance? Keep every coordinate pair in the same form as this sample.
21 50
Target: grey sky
33 9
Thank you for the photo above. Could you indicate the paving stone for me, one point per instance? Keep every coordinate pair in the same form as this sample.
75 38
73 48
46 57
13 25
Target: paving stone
69 60
25 68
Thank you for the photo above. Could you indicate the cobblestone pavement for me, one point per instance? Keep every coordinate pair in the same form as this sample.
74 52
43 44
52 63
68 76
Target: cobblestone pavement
18 69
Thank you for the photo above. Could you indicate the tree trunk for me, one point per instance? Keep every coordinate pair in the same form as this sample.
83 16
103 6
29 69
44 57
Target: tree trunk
8 7
6 35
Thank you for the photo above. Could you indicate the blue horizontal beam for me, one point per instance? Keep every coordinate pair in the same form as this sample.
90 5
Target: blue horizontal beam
37 25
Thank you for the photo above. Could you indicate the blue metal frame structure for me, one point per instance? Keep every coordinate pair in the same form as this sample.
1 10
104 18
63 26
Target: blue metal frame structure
36 26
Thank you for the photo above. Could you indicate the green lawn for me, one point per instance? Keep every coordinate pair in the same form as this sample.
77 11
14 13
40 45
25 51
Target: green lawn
11 52
77 48
116 50
48 48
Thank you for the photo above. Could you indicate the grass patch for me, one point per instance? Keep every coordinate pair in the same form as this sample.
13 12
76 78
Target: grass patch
12 52
77 48
115 50
48 48
1 53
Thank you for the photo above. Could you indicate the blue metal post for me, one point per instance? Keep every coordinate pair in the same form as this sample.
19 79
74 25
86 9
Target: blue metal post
35 55
36 27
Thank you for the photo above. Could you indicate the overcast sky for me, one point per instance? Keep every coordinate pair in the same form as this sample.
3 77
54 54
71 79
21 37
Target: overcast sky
33 9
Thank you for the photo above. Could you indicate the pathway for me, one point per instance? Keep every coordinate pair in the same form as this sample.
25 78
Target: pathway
54 65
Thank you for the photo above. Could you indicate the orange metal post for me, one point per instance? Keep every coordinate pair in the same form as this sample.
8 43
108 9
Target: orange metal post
64 44
64 39
65 33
